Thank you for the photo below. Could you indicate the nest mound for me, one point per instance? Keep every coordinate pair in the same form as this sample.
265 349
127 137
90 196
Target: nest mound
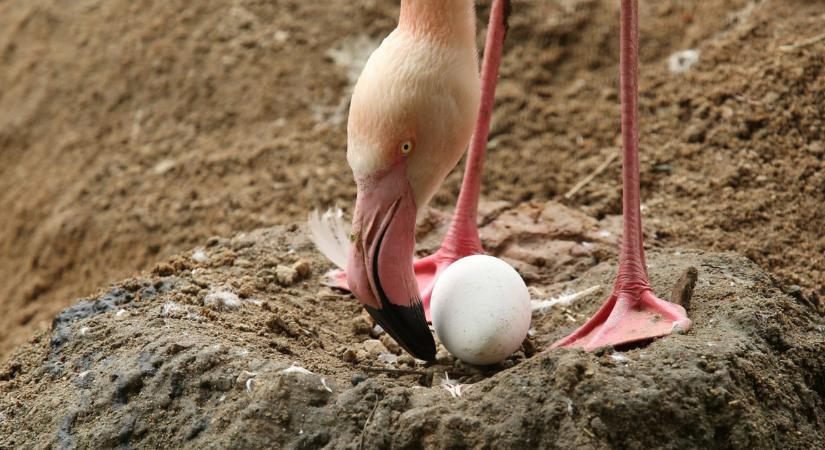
239 345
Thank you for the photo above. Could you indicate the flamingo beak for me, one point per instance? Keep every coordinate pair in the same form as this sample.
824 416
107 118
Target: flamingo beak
379 267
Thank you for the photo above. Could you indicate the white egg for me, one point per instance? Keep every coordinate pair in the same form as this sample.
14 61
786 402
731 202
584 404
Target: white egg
480 309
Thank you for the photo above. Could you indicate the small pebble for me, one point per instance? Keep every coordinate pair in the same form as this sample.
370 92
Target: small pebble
405 360
222 300
604 350
200 256
361 325
389 358
163 270
816 148
285 276
444 357
302 268
358 378
374 347
349 355
529 348
390 343
243 378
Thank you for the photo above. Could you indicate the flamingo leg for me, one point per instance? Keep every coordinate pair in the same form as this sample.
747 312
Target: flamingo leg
632 313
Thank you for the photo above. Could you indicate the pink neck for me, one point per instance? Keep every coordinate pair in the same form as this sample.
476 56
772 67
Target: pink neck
463 232
632 270
441 20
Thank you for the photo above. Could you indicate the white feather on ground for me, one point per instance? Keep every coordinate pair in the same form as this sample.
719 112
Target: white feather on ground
330 234
564 299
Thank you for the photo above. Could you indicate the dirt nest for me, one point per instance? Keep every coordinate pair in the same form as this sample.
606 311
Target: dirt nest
130 132
238 344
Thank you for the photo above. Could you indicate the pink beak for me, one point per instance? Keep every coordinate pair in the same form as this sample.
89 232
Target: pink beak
379 267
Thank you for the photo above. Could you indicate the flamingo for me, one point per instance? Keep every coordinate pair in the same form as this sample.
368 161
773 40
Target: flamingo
410 119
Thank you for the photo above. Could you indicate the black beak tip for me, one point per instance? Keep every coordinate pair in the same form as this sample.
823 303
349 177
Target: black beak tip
406 324
408 327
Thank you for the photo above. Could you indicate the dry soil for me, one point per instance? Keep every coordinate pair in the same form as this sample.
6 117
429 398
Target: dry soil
132 131
146 136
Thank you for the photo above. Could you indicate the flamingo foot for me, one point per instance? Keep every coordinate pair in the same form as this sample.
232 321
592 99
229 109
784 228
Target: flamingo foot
628 317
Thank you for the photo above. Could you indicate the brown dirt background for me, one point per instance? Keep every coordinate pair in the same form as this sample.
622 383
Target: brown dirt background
132 131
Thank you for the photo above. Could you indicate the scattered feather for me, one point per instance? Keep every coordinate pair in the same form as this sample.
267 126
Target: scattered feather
455 388
682 61
247 378
296 369
565 299
618 357
324 383
330 233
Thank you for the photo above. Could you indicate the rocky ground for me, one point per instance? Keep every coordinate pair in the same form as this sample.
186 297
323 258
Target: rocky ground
238 345
189 141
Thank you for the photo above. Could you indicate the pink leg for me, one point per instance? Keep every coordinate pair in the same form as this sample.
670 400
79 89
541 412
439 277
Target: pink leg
462 237
632 313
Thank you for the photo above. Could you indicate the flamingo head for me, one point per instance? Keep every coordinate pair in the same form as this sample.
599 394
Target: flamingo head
411 117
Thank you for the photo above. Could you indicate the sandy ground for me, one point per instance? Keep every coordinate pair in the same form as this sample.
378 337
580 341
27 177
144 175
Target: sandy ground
143 136
129 132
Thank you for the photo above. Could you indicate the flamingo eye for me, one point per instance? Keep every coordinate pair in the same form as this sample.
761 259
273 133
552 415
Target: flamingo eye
406 148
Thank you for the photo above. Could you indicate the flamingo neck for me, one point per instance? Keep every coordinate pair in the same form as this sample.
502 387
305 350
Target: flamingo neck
445 21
